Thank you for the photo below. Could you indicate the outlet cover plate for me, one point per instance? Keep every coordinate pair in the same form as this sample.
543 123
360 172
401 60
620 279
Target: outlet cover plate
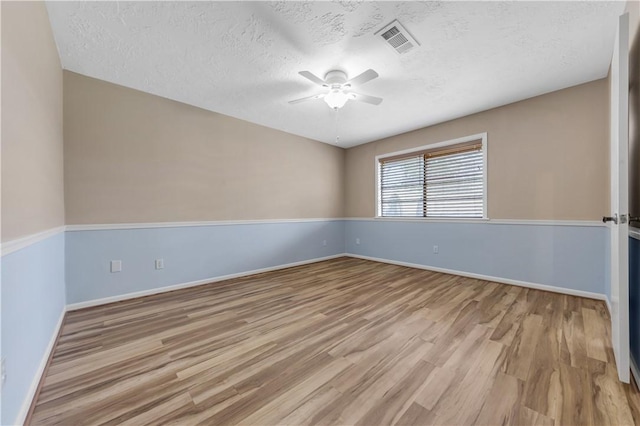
116 265
3 371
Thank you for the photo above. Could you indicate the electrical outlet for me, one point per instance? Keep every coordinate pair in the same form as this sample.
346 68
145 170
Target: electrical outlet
3 371
116 265
159 263
358 241
324 243
436 249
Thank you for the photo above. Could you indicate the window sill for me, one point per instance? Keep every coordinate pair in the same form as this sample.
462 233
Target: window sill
536 222
433 219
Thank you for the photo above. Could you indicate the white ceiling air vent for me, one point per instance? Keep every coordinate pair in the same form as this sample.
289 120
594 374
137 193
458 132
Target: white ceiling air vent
396 36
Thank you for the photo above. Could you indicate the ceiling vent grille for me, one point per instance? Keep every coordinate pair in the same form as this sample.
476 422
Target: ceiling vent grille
396 36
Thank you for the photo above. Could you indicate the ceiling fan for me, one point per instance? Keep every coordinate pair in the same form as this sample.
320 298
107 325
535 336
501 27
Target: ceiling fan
338 88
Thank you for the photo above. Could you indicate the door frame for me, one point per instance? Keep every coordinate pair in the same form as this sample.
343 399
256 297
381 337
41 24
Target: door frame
619 230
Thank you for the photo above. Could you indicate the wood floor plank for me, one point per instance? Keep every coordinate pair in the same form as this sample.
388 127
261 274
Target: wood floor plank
509 325
436 384
157 414
574 407
304 414
527 416
607 391
523 347
594 329
398 399
461 404
502 405
289 401
345 341
631 390
366 399
574 344
543 388
416 414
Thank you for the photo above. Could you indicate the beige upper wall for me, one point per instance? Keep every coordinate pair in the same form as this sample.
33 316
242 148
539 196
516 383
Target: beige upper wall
547 156
32 145
633 8
134 157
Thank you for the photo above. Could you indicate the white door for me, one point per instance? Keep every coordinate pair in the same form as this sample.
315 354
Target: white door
620 198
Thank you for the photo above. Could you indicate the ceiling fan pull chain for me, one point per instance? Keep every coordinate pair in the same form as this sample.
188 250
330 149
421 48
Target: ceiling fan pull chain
337 136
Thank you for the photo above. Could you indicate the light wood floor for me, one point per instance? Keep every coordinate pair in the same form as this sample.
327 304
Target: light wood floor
344 341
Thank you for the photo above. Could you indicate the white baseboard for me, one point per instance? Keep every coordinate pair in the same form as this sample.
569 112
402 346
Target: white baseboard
112 299
544 287
28 400
635 371
608 302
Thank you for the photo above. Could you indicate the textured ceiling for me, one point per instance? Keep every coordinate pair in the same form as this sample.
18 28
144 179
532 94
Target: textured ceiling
242 58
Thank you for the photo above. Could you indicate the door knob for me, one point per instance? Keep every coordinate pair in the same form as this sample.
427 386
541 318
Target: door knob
613 218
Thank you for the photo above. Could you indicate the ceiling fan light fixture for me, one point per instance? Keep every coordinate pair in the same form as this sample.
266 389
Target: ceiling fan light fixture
338 88
336 98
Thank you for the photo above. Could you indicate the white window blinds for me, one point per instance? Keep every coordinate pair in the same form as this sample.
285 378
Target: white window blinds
402 186
439 183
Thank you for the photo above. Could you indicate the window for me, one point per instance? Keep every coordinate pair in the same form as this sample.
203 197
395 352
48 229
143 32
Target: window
444 180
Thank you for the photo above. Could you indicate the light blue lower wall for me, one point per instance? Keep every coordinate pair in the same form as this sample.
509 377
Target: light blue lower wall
563 256
33 299
190 254
570 257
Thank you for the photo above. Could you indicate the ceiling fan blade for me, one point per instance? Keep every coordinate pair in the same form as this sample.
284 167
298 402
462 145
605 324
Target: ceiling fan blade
374 100
312 77
368 75
308 98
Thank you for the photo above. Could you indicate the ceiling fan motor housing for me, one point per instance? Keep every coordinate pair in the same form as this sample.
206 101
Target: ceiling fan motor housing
335 78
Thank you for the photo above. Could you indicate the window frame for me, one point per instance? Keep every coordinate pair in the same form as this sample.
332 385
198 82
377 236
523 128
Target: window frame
482 137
